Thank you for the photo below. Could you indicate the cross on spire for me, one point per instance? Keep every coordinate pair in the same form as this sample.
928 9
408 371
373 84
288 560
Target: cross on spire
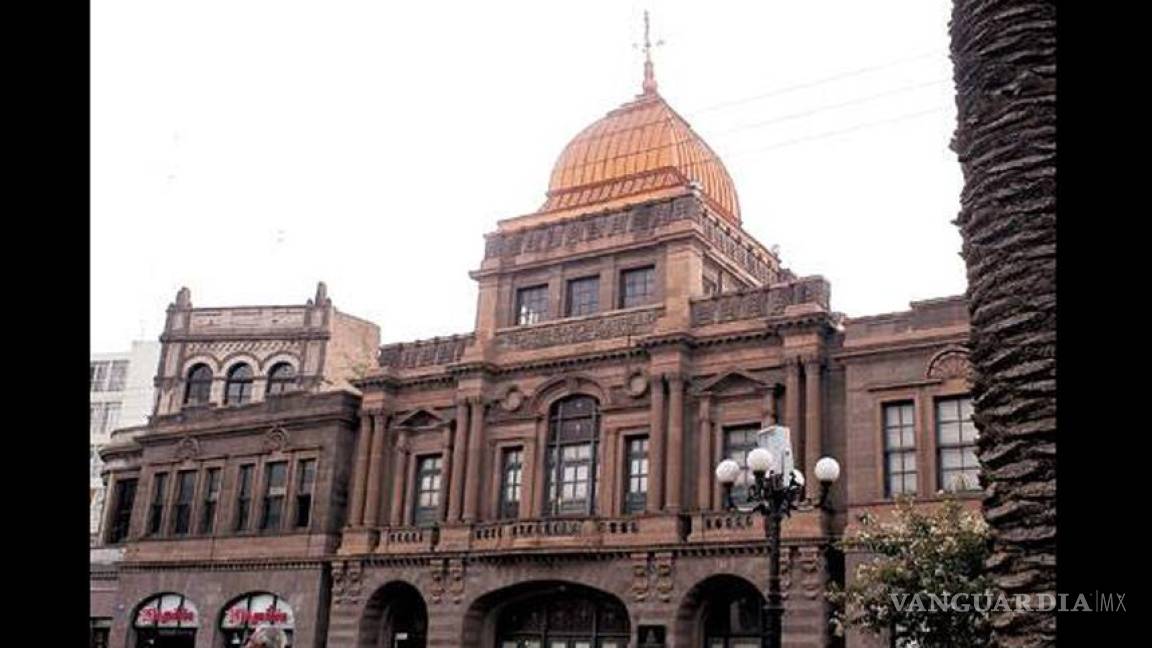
649 85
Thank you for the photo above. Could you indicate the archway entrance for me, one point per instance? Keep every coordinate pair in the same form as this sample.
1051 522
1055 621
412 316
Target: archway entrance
166 621
396 617
559 615
722 612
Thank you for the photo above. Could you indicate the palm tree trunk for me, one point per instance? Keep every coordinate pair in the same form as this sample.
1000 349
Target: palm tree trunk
1004 57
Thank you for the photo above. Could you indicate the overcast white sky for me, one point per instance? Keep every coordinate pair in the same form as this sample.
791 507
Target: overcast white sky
247 149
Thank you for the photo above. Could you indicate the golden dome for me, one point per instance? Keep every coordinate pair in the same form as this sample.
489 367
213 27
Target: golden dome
641 151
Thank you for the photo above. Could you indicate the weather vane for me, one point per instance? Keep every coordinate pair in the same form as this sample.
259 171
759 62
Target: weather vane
649 76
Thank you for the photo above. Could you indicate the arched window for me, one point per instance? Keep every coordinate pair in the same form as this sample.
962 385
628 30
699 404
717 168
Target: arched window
198 388
574 431
572 617
244 615
281 378
238 387
166 619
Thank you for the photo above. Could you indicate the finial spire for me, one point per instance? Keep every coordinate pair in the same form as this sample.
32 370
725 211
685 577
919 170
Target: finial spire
649 75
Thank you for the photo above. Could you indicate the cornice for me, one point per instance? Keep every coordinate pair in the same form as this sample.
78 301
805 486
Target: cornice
896 346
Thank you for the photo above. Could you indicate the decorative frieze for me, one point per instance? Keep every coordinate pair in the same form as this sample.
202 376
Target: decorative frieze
760 302
641 222
584 330
346 582
952 362
424 353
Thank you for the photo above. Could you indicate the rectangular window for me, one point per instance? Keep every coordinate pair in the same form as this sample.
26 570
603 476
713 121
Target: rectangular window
571 490
899 449
637 286
122 511
956 445
531 305
118 376
709 287
211 498
275 478
156 511
427 509
95 419
738 442
305 482
182 511
244 496
513 475
97 376
636 494
583 296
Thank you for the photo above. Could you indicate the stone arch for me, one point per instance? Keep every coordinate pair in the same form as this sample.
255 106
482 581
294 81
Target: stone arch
706 597
232 359
562 386
204 359
276 358
507 605
395 608
950 362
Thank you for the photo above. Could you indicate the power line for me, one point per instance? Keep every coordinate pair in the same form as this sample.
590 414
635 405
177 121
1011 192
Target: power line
855 127
841 104
816 82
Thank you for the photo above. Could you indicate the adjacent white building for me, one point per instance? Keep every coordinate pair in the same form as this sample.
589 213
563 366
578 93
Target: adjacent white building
121 394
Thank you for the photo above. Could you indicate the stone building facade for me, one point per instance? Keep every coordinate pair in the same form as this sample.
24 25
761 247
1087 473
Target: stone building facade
546 479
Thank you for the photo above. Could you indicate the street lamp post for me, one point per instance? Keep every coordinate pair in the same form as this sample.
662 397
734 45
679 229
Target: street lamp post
775 490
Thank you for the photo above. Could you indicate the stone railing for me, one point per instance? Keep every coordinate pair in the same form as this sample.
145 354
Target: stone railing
726 526
424 353
400 540
574 532
765 301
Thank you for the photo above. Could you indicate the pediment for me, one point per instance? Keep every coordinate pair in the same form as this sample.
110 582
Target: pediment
733 381
420 418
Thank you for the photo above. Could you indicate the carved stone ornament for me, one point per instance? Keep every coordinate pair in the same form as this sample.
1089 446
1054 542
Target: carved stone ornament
456 579
276 440
639 577
436 587
665 583
637 384
605 327
952 362
346 582
188 448
813 577
512 400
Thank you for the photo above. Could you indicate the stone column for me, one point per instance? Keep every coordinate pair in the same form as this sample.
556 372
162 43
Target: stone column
706 456
475 458
540 476
445 472
813 431
400 461
792 412
656 446
528 491
459 459
360 476
674 471
376 461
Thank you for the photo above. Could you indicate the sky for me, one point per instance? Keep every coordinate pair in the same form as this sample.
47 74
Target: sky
247 149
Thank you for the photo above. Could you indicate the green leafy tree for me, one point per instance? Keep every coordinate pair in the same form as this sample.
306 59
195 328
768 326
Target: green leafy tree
922 551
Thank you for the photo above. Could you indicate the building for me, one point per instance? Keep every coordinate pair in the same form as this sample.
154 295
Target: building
120 394
545 479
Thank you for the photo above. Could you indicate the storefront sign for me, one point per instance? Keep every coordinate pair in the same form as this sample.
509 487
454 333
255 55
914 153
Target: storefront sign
167 610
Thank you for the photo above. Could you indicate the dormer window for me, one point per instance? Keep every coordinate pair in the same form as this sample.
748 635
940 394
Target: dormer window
531 305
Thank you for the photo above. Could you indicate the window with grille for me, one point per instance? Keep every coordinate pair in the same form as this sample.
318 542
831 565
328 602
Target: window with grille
97 376
156 510
211 499
275 489
738 442
427 507
244 496
900 449
238 386
637 286
125 498
198 387
531 305
305 482
583 296
513 473
956 445
572 470
182 511
636 492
